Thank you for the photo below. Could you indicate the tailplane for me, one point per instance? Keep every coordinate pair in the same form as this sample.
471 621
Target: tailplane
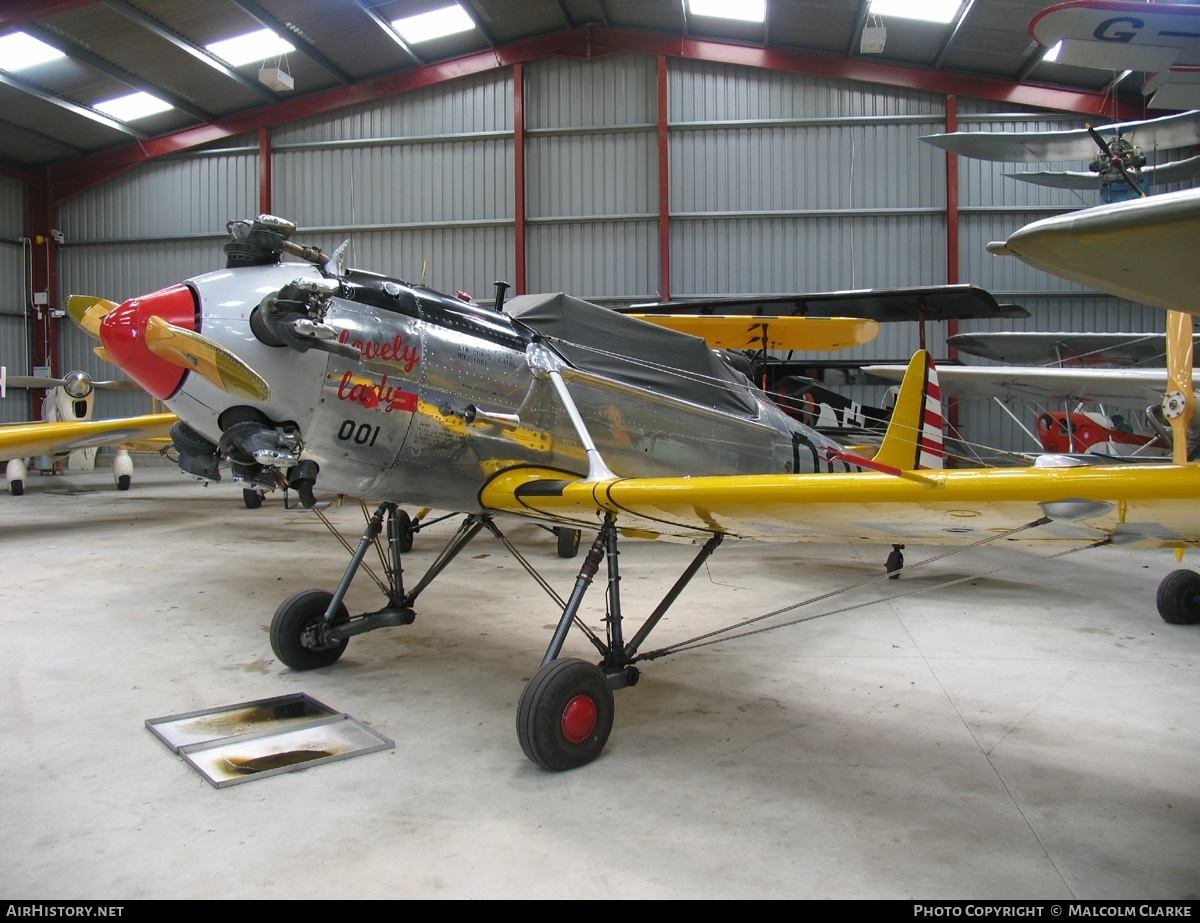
914 435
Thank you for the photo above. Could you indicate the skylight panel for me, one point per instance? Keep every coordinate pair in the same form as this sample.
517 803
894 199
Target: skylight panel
743 10
434 24
19 51
1052 54
939 11
133 106
253 46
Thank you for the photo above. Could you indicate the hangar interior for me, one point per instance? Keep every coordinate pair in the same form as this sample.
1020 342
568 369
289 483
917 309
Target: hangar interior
1024 734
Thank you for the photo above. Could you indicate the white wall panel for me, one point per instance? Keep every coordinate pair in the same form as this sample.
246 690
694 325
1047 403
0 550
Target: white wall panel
700 91
422 183
806 254
611 91
176 197
473 104
592 174
596 260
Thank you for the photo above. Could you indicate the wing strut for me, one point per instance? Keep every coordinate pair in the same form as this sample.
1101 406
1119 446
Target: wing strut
542 359
1179 404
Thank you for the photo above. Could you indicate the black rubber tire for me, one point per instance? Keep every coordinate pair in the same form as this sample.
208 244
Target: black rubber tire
562 694
404 523
894 564
1178 598
16 488
568 542
123 482
252 498
294 615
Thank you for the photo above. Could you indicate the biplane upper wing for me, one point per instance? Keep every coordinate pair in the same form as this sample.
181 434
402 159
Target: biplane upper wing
1143 250
21 440
933 303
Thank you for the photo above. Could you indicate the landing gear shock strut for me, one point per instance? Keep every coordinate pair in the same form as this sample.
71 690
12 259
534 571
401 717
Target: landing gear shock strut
565 713
294 637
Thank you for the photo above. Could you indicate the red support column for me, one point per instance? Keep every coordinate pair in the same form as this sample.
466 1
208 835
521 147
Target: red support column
264 172
952 246
519 177
664 190
44 279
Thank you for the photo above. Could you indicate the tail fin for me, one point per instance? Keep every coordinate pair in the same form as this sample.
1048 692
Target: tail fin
914 436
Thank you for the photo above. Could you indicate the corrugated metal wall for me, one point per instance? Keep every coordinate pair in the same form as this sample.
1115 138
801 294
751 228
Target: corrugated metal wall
777 182
592 177
421 182
14 331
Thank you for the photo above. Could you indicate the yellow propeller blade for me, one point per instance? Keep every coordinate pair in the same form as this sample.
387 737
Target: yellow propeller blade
102 353
88 310
1179 380
211 361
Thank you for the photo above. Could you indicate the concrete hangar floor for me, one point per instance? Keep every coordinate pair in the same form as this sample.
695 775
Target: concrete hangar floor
1031 734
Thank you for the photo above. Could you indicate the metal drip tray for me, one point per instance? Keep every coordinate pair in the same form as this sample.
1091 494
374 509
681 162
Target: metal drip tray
253 740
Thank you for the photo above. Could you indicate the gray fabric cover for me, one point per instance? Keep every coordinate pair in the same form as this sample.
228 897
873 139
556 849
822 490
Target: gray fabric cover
601 341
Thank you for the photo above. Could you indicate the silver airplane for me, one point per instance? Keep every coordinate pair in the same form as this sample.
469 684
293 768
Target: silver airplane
305 374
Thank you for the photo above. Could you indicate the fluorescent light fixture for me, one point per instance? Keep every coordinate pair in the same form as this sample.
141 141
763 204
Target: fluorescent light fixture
940 11
1052 55
744 10
133 106
19 51
253 46
434 24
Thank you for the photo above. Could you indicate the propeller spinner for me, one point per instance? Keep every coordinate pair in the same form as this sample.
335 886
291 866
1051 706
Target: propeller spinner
153 340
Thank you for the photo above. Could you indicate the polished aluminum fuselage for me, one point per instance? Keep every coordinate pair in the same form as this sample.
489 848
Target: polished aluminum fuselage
408 420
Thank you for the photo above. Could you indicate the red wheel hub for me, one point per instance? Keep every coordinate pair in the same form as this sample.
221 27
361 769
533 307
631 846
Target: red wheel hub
579 719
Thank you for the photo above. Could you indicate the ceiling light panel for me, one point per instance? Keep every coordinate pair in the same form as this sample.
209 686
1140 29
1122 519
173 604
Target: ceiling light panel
425 27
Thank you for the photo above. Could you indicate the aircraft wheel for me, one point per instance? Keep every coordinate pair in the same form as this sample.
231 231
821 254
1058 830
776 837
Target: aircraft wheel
123 482
16 488
1178 597
565 714
568 542
291 639
895 562
404 523
252 498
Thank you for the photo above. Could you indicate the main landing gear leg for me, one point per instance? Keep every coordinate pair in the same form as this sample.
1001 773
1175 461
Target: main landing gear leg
565 713
311 628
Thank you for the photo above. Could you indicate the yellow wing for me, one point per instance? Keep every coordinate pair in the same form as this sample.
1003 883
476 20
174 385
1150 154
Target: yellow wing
733 332
21 440
1148 505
